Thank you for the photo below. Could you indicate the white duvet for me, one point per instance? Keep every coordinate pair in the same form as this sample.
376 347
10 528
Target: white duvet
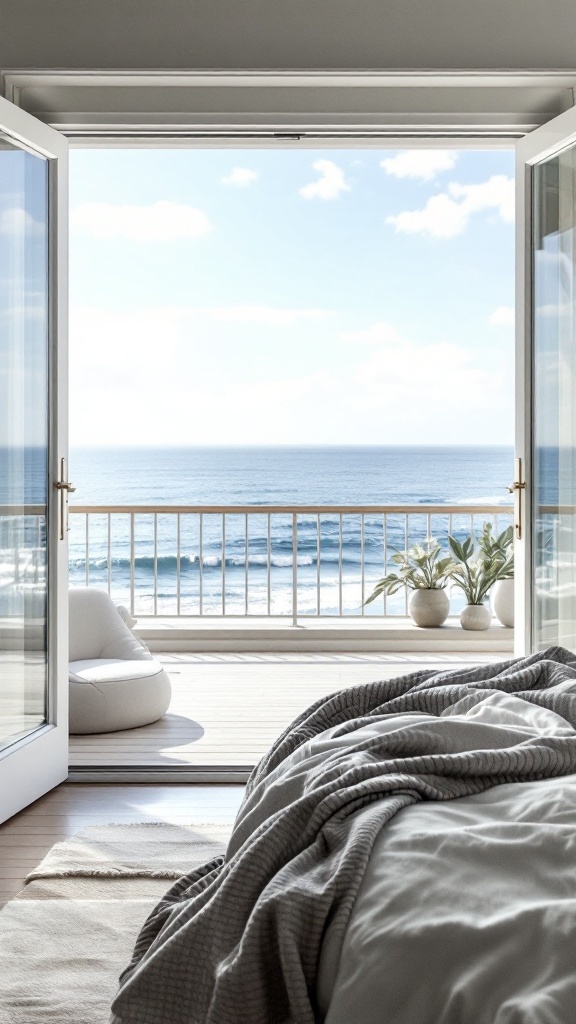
466 915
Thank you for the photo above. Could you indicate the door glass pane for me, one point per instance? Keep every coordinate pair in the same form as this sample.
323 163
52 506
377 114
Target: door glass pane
23 440
554 369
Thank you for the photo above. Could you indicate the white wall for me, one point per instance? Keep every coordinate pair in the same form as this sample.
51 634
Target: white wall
287 34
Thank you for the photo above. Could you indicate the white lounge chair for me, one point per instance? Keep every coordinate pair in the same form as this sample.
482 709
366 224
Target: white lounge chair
115 683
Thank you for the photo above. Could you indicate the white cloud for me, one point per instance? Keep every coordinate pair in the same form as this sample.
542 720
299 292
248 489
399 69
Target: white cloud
330 183
241 177
160 370
424 164
17 221
24 304
160 222
495 194
153 366
124 346
555 309
144 323
438 384
446 215
380 333
502 316
274 315
18 315
134 347
440 218
411 393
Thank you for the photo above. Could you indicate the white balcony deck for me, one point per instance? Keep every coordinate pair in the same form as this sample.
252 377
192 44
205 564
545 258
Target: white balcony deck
379 635
228 708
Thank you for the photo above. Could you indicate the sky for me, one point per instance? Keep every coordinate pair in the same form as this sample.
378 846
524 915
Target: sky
355 296
23 300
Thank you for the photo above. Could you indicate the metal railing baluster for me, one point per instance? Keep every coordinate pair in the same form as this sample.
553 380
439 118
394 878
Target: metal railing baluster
362 572
178 561
268 565
385 573
132 565
201 564
340 603
246 546
223 560
87 551
405 548
155 563
294 568
318 562
109 554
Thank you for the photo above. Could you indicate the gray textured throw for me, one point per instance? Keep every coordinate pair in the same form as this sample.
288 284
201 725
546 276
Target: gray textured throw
238 940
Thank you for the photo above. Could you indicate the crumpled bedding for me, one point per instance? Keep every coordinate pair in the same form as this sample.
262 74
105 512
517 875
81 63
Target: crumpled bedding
240 939
466 915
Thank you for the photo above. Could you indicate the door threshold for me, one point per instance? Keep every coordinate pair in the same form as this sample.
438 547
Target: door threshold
157 774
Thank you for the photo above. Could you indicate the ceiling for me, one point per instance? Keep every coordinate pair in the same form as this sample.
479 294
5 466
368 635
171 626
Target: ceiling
304 34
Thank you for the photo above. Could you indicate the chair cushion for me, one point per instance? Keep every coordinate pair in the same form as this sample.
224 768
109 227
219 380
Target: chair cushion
107 695
110 670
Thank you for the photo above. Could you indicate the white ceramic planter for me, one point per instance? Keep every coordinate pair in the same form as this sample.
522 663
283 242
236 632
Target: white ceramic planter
429 607
475 616
502 601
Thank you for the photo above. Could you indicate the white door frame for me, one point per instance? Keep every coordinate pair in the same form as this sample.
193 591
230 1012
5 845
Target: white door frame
125 104
39 761
389 118
541 144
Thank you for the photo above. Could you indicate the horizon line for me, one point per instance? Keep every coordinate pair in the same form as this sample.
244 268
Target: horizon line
184 447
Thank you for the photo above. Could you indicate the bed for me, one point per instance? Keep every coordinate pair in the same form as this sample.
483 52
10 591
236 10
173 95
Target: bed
406 852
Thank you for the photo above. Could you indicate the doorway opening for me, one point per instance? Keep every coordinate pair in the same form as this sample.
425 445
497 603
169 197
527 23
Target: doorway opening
286 365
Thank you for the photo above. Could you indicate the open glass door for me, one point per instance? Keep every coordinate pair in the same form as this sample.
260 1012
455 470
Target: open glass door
545 483
33 559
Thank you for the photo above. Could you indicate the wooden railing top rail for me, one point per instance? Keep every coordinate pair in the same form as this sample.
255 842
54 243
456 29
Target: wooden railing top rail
291 509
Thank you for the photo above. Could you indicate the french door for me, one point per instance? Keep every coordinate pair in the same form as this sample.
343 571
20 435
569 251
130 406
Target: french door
33 430
545 485
33 439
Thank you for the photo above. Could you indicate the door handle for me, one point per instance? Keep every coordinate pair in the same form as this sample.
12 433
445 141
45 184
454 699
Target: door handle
65 487
516 489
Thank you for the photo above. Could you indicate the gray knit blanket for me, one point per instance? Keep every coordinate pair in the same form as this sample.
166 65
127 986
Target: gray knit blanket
238 941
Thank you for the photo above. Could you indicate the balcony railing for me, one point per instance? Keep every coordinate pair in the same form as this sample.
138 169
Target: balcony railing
288 561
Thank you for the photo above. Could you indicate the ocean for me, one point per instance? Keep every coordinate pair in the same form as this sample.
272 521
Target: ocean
268 476
285 475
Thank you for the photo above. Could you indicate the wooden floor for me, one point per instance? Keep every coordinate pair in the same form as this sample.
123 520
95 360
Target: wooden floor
227 709
26 838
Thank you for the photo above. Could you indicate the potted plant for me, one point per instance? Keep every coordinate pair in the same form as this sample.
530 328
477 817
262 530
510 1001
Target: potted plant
421 569
502 593
477 569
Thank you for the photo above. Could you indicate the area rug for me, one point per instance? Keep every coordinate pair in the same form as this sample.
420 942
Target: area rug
65 938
